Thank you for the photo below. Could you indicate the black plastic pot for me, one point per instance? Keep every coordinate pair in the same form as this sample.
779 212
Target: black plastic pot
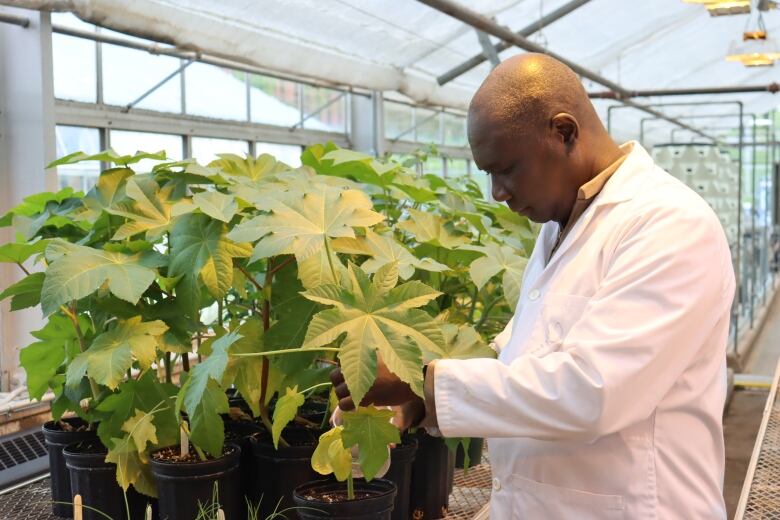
400 473
475 453
377 506
56 439
95 480
432 478
278 472
240 432
183 486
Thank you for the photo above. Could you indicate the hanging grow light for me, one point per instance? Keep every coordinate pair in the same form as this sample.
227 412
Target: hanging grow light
723 7
756 49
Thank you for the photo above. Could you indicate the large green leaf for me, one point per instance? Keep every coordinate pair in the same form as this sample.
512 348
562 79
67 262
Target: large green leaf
300 222
384 249
26 292
149 210
285 410
497 259
112 353
108 156
371 431
431 228
78 271
20 252
199 247
250 167
245 372
146 394
203 398
461 342
375 318
216 205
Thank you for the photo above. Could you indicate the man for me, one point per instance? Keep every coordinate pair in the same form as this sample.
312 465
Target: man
607 396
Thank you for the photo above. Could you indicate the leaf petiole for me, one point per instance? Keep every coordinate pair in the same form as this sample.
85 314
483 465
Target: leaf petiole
286 351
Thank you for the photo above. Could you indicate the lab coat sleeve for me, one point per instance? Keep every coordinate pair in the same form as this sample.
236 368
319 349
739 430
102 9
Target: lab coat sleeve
667 284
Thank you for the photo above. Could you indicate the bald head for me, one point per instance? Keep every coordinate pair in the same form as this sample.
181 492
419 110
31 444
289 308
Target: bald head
525 91
532 127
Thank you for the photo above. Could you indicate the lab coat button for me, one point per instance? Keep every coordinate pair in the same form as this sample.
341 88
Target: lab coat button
534 295
496 484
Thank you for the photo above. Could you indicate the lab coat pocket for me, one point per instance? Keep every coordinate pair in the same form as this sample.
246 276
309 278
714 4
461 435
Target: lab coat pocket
559 313
534 500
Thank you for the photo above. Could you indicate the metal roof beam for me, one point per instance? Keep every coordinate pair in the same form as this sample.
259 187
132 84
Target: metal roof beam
772 88
502 45
483 23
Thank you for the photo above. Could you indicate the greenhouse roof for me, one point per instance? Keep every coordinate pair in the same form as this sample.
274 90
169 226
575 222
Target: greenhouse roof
404 45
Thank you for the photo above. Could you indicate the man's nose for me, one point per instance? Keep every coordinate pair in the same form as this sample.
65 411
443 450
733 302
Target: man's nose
499 193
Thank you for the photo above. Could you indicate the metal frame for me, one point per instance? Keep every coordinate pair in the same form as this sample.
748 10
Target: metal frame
501 46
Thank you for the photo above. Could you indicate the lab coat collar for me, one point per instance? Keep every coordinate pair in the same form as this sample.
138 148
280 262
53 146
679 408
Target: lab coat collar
621 187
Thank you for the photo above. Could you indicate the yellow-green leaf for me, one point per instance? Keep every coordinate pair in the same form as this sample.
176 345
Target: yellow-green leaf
330 456
285 411
371 431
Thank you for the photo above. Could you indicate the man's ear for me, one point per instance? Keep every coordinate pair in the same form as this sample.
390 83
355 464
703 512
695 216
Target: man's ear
566 128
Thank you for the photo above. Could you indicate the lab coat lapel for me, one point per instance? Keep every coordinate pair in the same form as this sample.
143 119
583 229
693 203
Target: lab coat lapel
619 188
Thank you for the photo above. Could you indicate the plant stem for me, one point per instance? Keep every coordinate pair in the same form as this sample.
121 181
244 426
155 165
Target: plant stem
350 487
473 305
315 386
23 268
250 277
485 313
71 313
185 362
330 260
287 351
220 311
281 266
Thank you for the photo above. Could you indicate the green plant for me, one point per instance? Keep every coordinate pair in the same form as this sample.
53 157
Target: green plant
269 275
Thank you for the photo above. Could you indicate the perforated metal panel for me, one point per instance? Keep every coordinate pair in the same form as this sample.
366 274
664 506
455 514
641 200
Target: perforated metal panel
471 492
22 456
760 498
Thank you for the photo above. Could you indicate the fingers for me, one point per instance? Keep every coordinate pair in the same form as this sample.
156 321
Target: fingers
342 391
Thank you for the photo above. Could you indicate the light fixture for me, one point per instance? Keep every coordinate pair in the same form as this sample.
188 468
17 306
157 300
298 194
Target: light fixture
756 49
723 7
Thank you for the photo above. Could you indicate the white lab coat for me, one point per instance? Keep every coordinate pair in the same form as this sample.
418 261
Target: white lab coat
607 397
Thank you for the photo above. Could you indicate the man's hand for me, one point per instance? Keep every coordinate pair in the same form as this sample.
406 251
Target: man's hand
387 390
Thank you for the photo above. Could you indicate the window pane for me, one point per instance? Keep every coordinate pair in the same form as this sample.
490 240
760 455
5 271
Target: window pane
75 68
124 142
205 149
130 73
398 119
427 122
434 165
457 168
289 154
333 117
80 176
454 130
274 101
215 92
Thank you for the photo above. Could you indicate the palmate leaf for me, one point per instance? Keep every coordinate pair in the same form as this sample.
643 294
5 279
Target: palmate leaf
199 247
78 271
140 428
216 205
371 431
149 211
461 342
112 353
245 372
383 250
130 469
108 156
250 167
431 228
497 259
375 319
203 398
285 410
42 360
26 292
20 252
299 222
